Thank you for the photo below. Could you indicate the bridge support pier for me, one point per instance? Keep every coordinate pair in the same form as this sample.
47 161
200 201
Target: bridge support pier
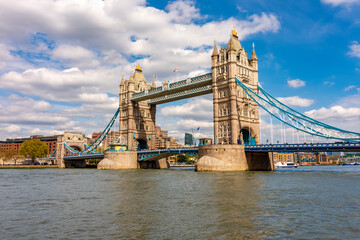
231 158
155 164
119 160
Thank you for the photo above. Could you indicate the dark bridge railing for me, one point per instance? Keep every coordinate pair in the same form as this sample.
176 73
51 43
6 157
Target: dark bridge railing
150 154
306 147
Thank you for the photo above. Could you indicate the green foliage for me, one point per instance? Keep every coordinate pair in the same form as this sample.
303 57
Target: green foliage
33 148
186 158
11 153
100 149
180 158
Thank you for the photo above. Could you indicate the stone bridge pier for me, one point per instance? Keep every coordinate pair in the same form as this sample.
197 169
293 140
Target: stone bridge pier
232 158
129 160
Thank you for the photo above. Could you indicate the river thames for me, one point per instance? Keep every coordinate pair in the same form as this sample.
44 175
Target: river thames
320 202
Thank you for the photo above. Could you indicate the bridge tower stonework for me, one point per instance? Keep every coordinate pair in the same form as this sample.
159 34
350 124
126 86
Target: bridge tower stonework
235 114
74 140
136 119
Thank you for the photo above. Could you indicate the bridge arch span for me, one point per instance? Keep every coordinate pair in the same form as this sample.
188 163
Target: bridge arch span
76 147
142 144
248 135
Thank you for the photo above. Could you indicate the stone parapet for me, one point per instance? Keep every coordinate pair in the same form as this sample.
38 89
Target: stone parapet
119 160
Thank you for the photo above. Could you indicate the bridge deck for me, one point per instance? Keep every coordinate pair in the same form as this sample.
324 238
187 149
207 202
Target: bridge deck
306 147
146 155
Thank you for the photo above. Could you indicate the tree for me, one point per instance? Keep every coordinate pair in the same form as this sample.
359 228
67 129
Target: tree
33 148
180 158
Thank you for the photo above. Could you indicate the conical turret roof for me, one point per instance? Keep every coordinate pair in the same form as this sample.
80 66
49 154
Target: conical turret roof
234 43
215 51
139 77
253 54
131 79
122 81
153 85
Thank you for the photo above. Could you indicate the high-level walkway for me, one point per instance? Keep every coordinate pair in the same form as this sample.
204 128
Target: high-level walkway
186 88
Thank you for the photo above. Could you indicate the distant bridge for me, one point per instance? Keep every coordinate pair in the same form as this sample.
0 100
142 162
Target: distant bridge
306 147
150 155
144 155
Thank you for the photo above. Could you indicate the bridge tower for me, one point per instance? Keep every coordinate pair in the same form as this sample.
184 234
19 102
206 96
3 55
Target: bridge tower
136 119
235 114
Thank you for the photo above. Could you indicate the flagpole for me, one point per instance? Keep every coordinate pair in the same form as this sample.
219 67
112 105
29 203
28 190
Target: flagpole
175 71
199 135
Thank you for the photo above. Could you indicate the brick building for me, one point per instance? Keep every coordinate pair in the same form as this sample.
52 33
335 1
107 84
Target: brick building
283 157
162 140
15 143
312 158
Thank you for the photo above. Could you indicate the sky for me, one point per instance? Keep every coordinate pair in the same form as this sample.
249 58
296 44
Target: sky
61 62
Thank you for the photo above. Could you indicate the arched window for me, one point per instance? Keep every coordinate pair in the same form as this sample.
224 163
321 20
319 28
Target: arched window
246 110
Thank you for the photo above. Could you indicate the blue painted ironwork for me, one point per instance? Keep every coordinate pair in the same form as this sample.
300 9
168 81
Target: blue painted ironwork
93 151
300 115
158 153
306 147
52 155
297 120
71 150
86 156
146 155
98 140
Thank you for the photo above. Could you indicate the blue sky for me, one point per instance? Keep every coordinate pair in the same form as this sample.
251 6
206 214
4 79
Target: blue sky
61 61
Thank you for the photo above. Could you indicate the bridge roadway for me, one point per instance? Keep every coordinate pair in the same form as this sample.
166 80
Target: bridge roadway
145 155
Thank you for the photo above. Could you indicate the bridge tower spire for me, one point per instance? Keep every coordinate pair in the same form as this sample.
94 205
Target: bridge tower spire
235 115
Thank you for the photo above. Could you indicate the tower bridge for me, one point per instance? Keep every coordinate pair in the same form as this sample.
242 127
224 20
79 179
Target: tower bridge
237 96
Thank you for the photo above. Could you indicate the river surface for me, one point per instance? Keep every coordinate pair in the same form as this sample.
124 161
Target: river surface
320 202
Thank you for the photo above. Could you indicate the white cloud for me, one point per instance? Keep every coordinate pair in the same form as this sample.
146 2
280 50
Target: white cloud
92 43
72 52
13 128
70 85
328 83
296 101
340 2
350 100
335 112
198 112
346 118
354 49
199 108
296 83
75 56
349 88
183 11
